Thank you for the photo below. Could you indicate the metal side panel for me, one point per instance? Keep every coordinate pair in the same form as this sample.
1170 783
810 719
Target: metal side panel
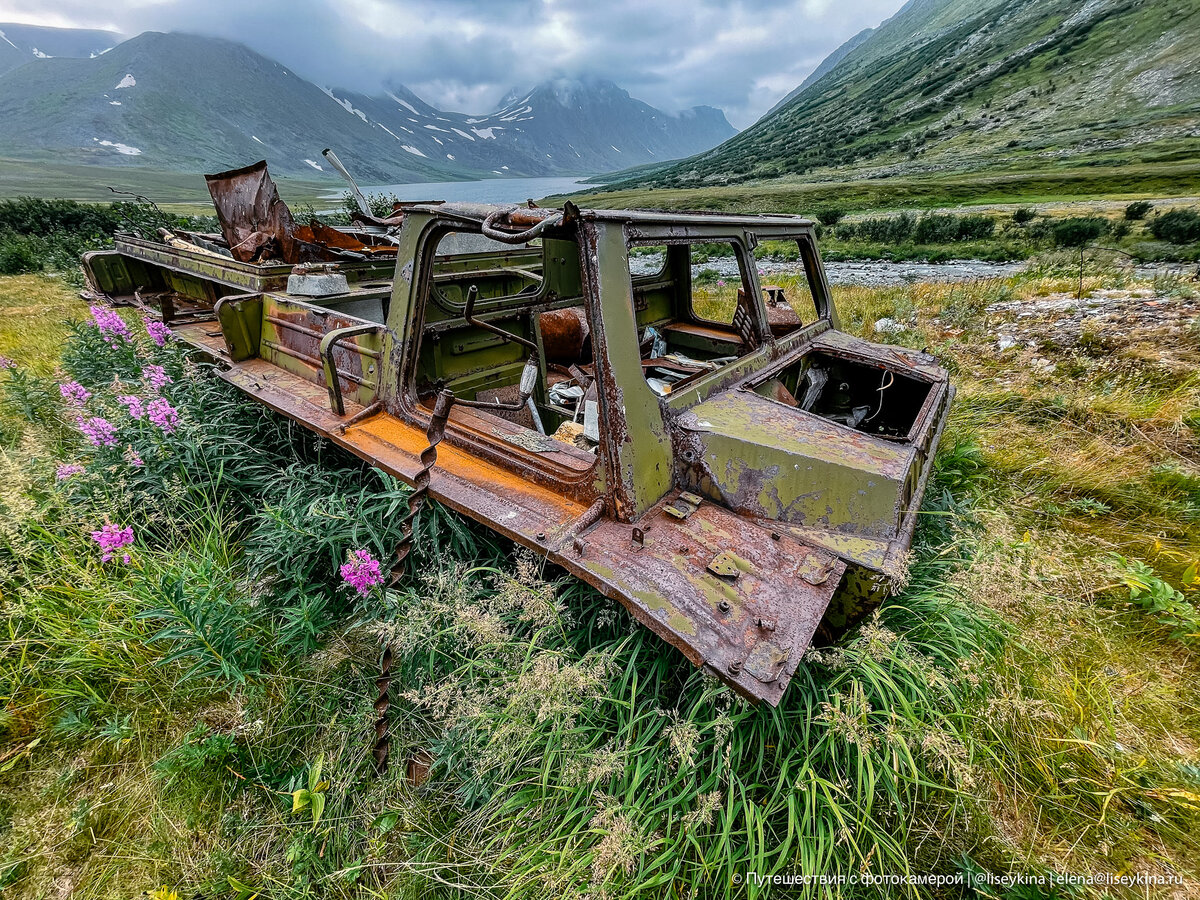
511 505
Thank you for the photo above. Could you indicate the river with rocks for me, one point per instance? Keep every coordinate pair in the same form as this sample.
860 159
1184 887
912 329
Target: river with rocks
866 273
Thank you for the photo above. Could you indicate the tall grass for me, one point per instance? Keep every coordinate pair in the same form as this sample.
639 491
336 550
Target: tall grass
158 716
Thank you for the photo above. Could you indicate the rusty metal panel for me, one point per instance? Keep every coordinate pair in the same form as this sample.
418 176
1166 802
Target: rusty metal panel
255 222
735 597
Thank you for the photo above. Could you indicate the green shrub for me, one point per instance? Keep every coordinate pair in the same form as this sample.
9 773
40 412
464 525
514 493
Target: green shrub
1024 215
830 216
18 254
882 230
1138 210
382 205
975 228
936 230
1152 594
34 216
1179 226
1079 231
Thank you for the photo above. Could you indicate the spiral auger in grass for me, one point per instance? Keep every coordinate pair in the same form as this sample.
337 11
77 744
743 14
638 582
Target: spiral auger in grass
383 684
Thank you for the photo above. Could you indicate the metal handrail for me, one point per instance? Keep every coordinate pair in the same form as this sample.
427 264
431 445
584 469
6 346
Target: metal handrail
328 343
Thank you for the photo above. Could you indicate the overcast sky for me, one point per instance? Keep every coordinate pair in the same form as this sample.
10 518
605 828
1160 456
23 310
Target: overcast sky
464 55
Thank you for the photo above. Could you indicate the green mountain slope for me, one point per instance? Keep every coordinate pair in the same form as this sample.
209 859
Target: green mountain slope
11 56
965 85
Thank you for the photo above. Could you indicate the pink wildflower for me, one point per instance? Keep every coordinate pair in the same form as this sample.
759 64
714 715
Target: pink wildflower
133 404
155 377
362 572
74 393
132 458
6 363
100 432
68 471
162 414
158 331
112 327
112 538
720 282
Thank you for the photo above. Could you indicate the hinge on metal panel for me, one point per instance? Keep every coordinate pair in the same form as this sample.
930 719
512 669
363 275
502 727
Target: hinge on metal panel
683 505
815 570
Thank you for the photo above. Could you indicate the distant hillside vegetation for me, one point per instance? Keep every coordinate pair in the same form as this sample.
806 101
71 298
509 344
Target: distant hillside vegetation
948 85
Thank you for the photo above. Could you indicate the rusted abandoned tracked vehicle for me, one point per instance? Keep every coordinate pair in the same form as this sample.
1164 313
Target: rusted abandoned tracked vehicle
719 458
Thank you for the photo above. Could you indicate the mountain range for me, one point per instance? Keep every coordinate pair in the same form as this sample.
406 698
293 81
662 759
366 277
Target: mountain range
973 85
182 102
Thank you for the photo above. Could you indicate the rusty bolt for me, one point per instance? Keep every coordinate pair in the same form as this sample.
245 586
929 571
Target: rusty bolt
735 668
775 536
723 606
541 535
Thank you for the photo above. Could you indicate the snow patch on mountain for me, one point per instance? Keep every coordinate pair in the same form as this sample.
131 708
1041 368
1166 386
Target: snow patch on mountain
346 105
123 149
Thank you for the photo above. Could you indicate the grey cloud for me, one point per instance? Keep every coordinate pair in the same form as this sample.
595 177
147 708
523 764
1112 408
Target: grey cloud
465 54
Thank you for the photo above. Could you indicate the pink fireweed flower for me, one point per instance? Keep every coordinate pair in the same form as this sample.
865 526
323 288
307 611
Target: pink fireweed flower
158 331
156 377
362 572
6 363
162 414
99 431
133 404
720 282
74 393
112 538
68 471
112 327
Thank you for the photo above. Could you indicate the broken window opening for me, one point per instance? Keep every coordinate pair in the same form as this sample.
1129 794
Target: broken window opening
691 309
793 299
500 320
